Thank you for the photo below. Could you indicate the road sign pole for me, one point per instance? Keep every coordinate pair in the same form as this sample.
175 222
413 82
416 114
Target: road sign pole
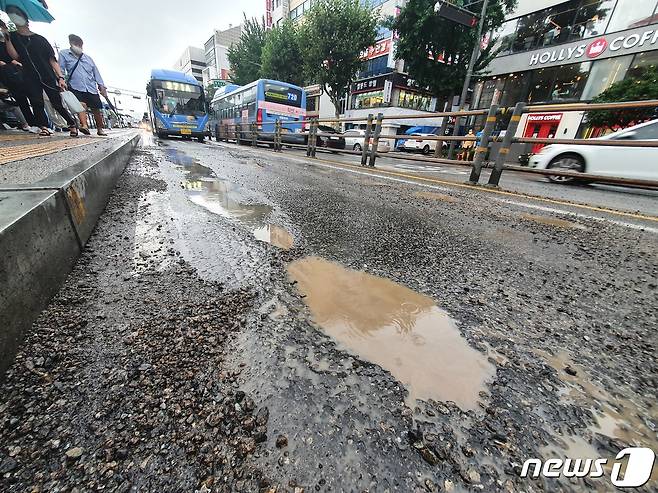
469 75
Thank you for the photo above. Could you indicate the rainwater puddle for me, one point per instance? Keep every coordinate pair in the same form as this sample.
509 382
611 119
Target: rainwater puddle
617 418
396 328
228 200
274 235
552 221
442 197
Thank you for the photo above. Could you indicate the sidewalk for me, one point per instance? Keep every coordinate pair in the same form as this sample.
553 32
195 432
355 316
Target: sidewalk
27 158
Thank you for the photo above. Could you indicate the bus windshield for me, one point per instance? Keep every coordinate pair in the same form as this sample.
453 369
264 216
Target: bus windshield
178 98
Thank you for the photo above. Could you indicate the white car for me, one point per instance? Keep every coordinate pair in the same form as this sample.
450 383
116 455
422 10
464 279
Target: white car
354 141
416 143
640 163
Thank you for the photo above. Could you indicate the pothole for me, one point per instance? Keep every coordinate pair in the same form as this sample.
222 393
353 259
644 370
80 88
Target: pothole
552 221
275 235
442 197
396 328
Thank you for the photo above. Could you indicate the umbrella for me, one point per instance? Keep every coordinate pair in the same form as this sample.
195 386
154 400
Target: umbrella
34 9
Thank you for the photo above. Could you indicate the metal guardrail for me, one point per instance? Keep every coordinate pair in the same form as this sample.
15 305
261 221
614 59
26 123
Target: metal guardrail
253 133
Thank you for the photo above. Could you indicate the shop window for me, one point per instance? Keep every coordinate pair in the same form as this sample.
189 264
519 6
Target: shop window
491 92
631 13
516 88
504 38
604 73
414 101
570 82
558 23
371 99
542 84
592 18
643 61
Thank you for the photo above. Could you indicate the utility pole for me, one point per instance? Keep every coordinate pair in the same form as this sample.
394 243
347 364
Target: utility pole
469 75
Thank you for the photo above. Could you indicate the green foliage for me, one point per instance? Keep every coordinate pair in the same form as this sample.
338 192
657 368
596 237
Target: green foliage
641 87
282 56
425 37
334 34
245 56
210 92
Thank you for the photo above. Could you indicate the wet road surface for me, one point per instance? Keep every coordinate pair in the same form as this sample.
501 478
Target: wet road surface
243 321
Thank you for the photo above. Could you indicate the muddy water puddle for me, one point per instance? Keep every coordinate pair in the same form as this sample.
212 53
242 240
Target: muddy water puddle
616 417
227 199
396 328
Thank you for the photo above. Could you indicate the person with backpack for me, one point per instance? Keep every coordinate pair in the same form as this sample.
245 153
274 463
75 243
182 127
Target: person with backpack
85 81
41 72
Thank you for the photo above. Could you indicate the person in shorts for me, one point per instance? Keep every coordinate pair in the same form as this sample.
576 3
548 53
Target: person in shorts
85 81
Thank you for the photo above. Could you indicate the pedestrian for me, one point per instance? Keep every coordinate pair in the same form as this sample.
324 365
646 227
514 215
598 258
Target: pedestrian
85 81
41 72
11 76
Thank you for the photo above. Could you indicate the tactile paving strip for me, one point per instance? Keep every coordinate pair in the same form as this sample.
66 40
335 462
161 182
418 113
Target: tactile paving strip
20 152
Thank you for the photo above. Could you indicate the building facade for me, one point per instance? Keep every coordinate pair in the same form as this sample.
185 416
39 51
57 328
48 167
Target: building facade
563 52
192 62
216 54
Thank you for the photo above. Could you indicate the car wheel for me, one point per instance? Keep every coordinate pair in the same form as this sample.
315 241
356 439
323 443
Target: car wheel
426 149
566 162
357 147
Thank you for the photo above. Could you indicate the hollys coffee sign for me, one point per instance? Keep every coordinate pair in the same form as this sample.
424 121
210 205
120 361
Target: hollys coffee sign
608 46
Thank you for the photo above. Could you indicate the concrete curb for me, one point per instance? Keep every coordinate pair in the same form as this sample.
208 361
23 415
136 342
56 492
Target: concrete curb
43 229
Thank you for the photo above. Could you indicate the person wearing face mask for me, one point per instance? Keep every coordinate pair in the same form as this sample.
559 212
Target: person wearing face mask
85 82
41 72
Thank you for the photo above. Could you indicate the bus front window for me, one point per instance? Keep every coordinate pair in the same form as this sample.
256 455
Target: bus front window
176 98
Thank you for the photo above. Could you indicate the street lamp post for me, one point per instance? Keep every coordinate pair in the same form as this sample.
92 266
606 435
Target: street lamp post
469 71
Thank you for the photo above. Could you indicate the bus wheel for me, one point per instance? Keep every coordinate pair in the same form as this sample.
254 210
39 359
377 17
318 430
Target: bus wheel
201 139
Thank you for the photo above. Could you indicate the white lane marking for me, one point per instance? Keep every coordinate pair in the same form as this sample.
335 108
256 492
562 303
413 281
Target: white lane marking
625 224
553 210
577 214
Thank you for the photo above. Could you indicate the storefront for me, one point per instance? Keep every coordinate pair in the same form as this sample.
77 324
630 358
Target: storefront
570 52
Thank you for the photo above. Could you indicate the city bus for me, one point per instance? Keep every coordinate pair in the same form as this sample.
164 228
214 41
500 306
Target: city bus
263 102
177 105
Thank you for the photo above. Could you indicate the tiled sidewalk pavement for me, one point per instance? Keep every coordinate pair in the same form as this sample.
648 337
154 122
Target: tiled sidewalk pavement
19 146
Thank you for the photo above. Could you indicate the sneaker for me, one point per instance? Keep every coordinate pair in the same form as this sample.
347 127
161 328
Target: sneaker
32 130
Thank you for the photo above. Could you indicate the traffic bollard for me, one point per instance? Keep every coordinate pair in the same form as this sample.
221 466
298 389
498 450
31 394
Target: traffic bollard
483 144
366 141
438 151
494 179
254 135
375 139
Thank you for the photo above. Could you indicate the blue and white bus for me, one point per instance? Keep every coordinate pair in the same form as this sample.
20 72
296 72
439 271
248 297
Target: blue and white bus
263 102
177 105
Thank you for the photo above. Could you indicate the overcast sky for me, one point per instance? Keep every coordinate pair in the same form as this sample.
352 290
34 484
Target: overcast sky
128 38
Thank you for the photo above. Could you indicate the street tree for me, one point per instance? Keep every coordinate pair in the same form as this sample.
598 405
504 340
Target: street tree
642 86
245 56
437 51
282 57
334 34
210 92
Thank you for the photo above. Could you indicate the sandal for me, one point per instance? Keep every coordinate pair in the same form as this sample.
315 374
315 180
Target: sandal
85 130
73 132
44 133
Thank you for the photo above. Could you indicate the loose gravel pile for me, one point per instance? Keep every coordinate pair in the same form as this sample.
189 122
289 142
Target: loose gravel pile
121 385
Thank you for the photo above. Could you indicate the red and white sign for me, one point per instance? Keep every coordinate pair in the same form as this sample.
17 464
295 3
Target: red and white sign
545 117
380 48
281 109
596 48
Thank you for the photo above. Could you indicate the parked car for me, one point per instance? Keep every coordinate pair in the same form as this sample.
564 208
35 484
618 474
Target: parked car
333 141
623 162
416 143
354 141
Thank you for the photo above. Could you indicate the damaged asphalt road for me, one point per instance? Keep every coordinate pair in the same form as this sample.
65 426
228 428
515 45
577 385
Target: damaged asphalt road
241 321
